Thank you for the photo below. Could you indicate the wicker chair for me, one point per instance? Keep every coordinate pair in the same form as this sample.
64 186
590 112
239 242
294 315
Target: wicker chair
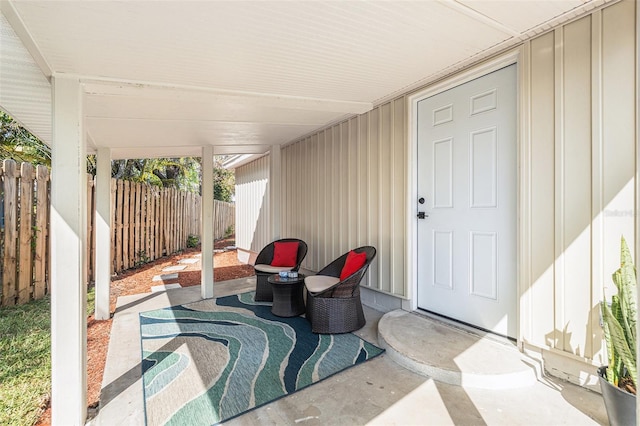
264 269
337 308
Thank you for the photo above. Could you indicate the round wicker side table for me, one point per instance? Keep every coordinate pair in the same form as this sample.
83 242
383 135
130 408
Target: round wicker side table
288 300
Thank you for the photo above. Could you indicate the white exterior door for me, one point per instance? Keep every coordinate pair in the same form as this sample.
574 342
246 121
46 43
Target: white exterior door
467 185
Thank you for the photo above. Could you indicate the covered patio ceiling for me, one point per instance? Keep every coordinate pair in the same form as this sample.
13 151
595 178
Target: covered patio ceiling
164 78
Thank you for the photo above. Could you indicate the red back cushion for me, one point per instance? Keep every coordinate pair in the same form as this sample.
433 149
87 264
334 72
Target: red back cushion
285 254
354 262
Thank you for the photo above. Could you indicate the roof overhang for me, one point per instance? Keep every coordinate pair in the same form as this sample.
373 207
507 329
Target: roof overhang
166 78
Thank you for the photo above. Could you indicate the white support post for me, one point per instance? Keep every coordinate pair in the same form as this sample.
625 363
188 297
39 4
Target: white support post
637 218
206 237
68 239
275 191
103 233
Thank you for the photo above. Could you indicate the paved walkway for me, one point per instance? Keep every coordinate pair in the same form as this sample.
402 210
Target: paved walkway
380 391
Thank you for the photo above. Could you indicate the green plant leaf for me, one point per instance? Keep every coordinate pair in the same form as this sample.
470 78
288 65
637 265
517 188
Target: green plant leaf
625 280
619 343
612 375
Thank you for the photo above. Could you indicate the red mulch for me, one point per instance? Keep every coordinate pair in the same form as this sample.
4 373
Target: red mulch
136 281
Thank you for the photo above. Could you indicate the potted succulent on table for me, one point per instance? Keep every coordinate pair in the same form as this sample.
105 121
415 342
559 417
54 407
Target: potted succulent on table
618 380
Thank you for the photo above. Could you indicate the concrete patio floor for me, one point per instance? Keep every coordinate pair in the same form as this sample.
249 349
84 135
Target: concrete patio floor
381 391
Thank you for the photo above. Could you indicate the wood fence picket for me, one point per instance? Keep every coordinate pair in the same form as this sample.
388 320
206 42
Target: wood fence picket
42 232
25 277
9 258
147 223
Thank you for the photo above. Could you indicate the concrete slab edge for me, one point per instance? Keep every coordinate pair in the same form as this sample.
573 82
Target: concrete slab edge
515 380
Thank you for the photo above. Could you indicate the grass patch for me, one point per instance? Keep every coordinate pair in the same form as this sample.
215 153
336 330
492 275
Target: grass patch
91 300
25 361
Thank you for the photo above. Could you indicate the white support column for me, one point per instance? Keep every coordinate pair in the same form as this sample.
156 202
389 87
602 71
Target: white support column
206 237
637 218
68 260
103 233
275 191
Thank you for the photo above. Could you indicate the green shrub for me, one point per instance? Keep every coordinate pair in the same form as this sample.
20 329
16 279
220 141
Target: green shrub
193 241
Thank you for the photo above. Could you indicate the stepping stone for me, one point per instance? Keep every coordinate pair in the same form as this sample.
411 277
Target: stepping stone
230 248
198 255
189 261
157 288
165 277
174 268
218 251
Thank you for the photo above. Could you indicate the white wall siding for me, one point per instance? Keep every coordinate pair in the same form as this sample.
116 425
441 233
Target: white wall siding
539 284
252 205
573 184
345 187
582 176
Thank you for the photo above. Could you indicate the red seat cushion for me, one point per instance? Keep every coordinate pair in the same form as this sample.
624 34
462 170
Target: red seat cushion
354 262
285 254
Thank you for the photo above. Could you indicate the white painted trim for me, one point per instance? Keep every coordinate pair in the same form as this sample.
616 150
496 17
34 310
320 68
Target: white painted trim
523 235
411 222
479 17
239 160
275 192
206 236
103 234
104 86
564 365
637 174
558 292
123 153
68 241
509 58
597 171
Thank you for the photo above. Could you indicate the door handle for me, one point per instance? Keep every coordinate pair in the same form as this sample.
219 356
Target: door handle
422 215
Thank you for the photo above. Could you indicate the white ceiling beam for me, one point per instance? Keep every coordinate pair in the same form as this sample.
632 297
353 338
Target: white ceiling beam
184 151
148 90
240 149
16 22
196 122
480 17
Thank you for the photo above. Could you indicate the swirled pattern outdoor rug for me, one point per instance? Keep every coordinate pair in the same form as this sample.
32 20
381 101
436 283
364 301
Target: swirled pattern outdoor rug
212 360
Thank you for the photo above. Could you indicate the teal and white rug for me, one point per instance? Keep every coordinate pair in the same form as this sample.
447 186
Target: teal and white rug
212 360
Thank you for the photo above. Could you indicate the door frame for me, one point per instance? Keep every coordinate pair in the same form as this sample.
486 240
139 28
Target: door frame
516 56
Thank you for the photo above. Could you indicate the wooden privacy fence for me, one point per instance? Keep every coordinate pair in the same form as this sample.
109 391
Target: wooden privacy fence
24 219
147 222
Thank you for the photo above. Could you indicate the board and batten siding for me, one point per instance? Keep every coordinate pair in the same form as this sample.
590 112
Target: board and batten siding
580 104
252 207
344 187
